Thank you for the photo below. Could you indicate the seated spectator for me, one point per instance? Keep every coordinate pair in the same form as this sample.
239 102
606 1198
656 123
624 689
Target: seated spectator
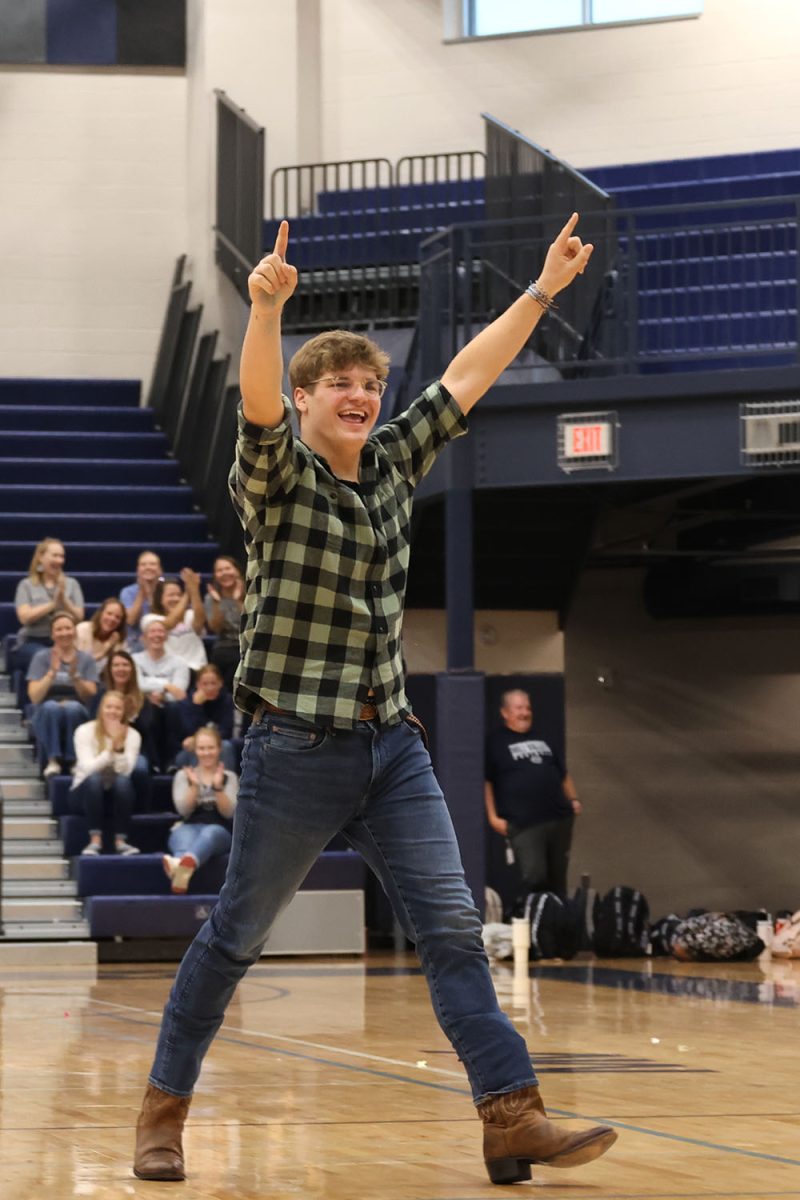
104 632
119 675
224 603
181 606
106 751
44 591
205 798
62 683
210 703
163 679
137 597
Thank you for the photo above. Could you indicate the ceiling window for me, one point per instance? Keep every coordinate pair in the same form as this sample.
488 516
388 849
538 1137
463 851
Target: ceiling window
493 18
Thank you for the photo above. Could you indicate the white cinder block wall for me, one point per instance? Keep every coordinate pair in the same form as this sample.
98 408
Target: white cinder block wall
107 177
93 212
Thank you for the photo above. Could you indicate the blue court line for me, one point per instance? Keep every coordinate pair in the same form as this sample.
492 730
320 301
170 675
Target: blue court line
461 1091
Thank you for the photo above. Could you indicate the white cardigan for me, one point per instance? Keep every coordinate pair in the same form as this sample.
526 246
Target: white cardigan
91 760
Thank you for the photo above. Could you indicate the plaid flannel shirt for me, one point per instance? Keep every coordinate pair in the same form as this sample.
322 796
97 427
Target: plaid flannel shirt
327 564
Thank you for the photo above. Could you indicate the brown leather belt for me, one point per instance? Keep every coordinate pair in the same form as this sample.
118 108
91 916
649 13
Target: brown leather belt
368 712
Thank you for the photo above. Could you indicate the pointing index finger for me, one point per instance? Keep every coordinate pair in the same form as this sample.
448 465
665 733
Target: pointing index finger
282 240
567 231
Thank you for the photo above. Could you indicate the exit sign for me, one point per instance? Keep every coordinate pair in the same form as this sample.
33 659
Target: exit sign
587 440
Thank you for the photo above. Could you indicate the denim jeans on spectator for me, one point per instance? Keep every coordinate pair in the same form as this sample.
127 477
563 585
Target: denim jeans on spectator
300 785
95 800
161 728
54 723
200 840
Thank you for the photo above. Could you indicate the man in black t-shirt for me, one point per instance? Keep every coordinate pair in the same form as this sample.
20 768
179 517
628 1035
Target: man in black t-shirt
530 798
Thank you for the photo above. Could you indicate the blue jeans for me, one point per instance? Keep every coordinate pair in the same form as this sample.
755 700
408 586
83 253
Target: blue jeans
89 797
299 786
54 723
201 841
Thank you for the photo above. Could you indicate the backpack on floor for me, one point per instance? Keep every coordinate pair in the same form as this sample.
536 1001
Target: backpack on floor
715 937
786 941
555 931
662 933
621 924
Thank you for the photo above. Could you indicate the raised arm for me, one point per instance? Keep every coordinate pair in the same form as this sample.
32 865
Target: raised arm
475 368
271 284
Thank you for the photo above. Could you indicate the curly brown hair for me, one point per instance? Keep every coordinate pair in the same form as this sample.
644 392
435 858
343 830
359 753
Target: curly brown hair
335 350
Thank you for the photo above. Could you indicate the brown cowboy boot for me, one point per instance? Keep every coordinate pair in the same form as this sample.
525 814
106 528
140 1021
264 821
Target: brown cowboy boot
516 1133
159 1153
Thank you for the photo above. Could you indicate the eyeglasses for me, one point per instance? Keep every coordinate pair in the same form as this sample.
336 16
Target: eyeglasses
342 385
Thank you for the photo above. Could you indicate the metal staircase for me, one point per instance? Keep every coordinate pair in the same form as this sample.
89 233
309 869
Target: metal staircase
39 900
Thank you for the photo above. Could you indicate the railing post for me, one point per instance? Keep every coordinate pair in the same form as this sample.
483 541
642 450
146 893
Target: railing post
459 584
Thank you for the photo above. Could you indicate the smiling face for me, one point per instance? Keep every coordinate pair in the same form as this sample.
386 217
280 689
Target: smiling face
206 747
210 684
148 567
154 637
111 617
113 707
62 632
339 409
51 559
226 576
121 672
171 595
516 711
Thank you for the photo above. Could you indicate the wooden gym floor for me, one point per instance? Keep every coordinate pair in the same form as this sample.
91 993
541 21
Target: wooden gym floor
331 1079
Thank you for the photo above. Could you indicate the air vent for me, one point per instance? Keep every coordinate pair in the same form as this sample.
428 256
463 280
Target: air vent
771 433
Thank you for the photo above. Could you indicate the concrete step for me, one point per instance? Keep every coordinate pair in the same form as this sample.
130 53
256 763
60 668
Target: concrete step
10 719
41 908
79 955
29 828
22 787
31 866
25 807
13 756
43 931
14 888
33 848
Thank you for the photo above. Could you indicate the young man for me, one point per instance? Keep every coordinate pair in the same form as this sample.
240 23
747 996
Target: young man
333 746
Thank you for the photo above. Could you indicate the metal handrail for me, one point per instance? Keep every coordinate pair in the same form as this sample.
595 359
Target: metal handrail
689 285
300 185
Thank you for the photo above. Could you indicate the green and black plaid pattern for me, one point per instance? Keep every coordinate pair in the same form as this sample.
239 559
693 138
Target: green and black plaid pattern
327 564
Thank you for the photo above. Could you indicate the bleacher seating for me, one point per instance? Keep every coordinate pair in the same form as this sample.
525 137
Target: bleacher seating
99 478
712 280
378 226
105 485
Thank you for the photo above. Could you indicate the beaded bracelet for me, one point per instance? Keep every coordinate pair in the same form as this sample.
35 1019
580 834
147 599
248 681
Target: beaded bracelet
538 294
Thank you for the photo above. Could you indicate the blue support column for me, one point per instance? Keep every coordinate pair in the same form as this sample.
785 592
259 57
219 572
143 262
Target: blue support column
459 586
458 754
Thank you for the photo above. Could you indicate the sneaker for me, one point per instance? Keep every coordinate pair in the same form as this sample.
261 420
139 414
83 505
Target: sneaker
183 873
92 849
126 849
53 768
169 864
